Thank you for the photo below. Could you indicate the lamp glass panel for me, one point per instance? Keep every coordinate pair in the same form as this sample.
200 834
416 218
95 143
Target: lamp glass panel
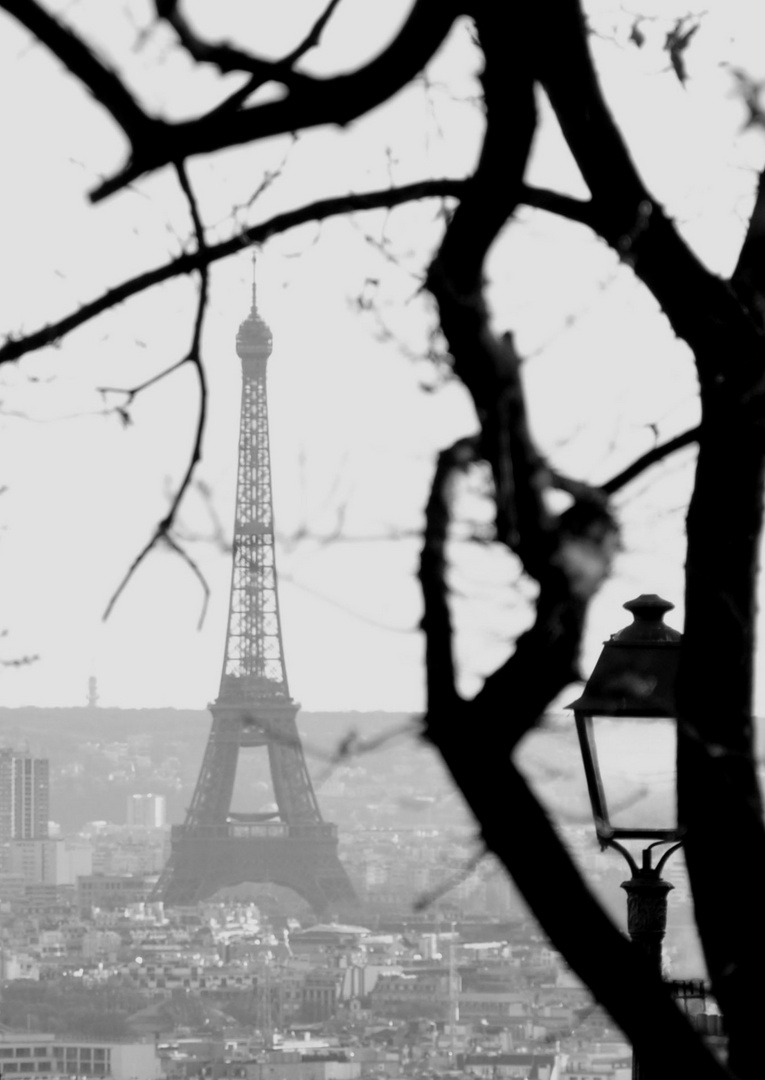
637 759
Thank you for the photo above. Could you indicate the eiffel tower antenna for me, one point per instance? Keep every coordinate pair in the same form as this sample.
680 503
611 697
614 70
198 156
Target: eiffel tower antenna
290 845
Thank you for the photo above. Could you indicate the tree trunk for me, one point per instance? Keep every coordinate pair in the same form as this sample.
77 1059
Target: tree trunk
718 793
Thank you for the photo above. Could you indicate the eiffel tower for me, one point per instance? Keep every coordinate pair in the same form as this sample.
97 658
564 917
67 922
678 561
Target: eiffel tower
291 845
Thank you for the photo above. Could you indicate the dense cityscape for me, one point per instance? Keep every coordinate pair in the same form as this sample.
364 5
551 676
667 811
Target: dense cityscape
443 973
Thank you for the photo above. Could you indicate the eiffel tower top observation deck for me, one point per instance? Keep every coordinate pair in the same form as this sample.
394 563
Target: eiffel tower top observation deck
253 666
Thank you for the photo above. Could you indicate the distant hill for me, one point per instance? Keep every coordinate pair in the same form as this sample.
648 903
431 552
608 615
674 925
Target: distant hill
99 755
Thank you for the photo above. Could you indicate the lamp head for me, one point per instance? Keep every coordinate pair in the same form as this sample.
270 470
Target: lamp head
626 723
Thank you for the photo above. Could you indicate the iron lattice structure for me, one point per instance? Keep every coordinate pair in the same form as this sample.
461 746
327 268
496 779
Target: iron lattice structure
290 846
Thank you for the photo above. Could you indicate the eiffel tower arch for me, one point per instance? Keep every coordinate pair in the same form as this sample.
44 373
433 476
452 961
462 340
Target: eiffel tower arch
291 845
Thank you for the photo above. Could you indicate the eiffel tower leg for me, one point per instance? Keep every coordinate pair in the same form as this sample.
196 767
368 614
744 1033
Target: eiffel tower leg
204 861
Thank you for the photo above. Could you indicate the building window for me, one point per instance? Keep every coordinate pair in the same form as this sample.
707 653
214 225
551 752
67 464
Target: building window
23 1051
41 1051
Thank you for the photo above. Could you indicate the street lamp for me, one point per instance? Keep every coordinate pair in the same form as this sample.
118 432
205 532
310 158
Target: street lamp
626 723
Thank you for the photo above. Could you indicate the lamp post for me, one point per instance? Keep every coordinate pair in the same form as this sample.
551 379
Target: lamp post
626 723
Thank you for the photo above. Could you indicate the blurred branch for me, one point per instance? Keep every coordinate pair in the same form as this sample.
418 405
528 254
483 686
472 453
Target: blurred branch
200 258
651 457
227 58
436 620
133 391
427 899
104 85
15 347
748 278
309 101
281 70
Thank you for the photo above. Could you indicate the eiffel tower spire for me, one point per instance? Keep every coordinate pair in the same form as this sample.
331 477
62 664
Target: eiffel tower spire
291 845
253 665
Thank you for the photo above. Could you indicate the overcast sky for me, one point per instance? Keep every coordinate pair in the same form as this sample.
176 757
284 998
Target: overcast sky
354 434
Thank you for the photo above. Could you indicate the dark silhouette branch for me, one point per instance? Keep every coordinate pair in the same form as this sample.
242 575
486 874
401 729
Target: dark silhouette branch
13 348
651 457
748 278
310 41
436 620
228 58
173 544
566 206
163 530
427 899
131 392
313 37
701 308
309 103
105 86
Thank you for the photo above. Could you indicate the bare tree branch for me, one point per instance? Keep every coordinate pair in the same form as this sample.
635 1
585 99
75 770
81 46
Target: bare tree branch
748 277
310 41
228 58
701 307
15 347
309 103
201 258
194 356
427 899
106 87
651 457
194 567
566 206
133 391
436 619
313 37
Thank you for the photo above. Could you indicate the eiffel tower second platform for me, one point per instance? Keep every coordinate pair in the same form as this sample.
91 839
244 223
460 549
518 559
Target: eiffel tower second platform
291 845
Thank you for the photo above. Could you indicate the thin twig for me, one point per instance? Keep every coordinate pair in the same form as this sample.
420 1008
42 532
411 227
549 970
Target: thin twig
651 457
187 263
427 899
163 529
227 58
255 81
131 392
351 746
193 566
309 101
